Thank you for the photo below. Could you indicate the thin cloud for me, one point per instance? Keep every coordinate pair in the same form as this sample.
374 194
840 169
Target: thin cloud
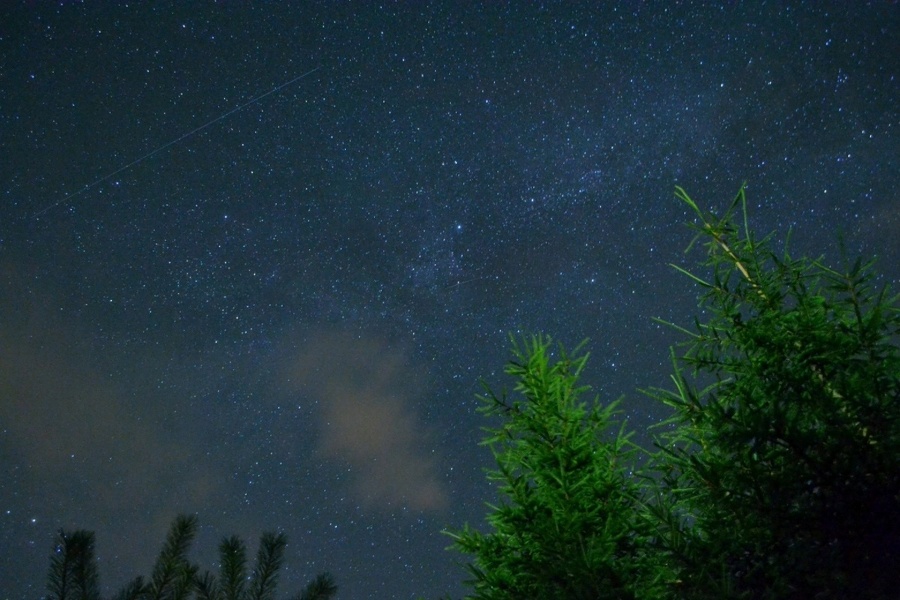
366 395
93 451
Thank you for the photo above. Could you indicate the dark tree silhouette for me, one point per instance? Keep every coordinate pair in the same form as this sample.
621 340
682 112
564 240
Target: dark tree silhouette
320 588
233 573
73 570
173 574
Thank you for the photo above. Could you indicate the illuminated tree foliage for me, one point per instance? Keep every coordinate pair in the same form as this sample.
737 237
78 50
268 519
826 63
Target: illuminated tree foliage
568 526
787 466
777 475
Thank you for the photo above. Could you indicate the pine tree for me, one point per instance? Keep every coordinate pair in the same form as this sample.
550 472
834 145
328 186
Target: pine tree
322 587
173 574
568 524
787 466
233 577
777 477
233 571
73 568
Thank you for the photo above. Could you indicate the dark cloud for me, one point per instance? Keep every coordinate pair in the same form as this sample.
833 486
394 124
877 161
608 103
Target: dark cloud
366 393
93 451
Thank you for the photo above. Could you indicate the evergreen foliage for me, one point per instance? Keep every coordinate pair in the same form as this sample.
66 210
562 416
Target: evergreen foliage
777 476
569 522
73 570
788 464
233 571
570 525
322 587
268 562
133 590
173 574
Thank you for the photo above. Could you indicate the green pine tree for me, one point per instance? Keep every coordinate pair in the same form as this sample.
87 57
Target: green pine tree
568 524
778 475
787 465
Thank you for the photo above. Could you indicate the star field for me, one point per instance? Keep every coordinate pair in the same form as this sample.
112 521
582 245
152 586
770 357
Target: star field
280 320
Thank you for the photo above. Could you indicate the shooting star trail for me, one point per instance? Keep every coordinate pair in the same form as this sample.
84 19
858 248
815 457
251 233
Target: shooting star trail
112 174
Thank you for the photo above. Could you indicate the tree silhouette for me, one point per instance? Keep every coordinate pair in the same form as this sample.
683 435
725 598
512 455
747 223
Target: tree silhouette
173 574
320 588
73 570
233 573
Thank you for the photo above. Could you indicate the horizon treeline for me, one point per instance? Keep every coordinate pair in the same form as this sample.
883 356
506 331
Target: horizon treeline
776 476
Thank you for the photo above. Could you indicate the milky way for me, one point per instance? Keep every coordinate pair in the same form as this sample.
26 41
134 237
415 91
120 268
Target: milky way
277 316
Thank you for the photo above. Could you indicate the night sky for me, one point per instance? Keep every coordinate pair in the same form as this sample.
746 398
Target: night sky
278 319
